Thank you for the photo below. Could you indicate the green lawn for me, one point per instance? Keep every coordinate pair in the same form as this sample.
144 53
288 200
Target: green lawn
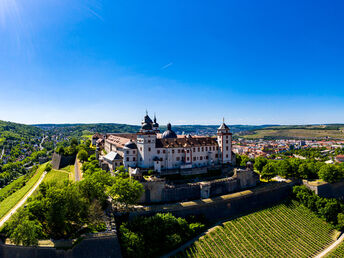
338 252
285 230
56 175
7 204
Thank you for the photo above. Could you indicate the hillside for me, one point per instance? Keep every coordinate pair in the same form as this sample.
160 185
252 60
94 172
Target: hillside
12 132
77 130
298 132
285 230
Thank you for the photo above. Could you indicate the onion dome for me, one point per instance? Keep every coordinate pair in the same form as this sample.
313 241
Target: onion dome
147 120
146 126
169 133
130 145
155 124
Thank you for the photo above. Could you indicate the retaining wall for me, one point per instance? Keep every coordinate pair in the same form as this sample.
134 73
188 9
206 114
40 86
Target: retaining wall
225 206
102 247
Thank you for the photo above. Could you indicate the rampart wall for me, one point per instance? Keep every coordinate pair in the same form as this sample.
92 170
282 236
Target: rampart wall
326 190
59 161
225 206
102 247
161 192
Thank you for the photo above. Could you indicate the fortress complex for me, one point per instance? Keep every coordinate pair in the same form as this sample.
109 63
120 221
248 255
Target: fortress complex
150 149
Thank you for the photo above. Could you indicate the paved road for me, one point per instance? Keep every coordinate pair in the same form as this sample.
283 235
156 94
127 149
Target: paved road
22 201
40 145
77 171
331 247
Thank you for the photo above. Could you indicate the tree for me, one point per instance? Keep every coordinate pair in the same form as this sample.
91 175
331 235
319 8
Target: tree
83 155
126 191
340 219
259 163
22 230
48 167
269 171
330 173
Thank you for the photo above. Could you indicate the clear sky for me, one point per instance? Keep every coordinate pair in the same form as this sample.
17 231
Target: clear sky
191 62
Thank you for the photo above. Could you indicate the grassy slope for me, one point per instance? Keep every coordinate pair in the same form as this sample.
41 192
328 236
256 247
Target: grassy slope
280 231
14 198
56 175
8 188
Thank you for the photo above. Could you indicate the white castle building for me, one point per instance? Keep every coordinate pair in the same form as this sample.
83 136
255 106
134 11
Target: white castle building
149 149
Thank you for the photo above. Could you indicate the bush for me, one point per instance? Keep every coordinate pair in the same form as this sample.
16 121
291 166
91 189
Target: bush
156 235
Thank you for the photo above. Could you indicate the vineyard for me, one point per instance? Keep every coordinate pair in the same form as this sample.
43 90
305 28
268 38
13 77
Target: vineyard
338 252
285 230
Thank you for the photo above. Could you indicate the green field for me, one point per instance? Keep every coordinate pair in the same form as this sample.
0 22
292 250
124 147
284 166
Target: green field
7 204
338 252
296 133
56 175
285 230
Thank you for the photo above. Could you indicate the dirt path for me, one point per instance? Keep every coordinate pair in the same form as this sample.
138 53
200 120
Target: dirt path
331 247
22 201
78 175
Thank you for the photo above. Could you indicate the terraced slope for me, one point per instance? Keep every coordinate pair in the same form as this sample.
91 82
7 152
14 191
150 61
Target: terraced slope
281 231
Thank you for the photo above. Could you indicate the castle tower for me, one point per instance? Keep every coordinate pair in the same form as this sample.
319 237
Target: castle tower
146 140
224 139
155 125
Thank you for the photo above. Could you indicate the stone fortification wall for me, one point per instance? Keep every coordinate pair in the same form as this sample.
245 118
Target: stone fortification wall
326 190
102 247
59 161
225 206
161 192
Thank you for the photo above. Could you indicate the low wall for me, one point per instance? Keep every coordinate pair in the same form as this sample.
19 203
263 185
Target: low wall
103 247
326 190
225 206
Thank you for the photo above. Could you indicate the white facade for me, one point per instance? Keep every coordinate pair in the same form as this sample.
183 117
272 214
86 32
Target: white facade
146 149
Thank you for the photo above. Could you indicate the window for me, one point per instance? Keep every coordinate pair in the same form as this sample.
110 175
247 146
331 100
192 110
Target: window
201 158
140 159
148 141
202 149
206 157
163 151
140 148
227 141
127 158
149 149
187 151
198 149
193 149
227 148
226 155
177 158
134 159
216 155
187 158
206 148
194 158
158 151
178 150
172 151
127 152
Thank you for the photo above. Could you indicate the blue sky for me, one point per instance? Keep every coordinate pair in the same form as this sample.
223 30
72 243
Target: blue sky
191 62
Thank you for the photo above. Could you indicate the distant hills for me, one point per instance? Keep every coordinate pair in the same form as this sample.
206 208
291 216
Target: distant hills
9 130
